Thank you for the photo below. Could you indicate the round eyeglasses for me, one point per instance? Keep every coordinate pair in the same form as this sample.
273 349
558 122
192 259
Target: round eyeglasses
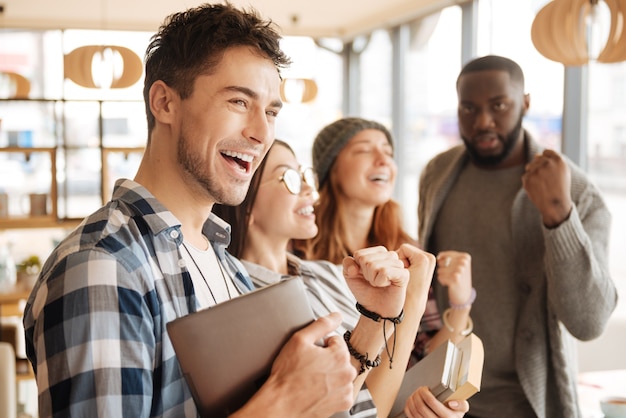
293 179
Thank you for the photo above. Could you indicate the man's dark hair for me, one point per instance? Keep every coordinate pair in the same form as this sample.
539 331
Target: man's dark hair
193 42
494 62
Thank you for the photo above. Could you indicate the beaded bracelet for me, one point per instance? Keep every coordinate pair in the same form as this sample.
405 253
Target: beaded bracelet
467 304
467 331
366 363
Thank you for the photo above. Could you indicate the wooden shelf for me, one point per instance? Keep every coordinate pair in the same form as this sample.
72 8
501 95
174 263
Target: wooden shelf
35 221
23 369
74 152
24 222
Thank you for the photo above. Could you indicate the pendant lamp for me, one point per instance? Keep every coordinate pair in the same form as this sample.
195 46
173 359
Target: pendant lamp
562 31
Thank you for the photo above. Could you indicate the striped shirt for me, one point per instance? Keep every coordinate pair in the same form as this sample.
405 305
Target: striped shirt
327 292
96 320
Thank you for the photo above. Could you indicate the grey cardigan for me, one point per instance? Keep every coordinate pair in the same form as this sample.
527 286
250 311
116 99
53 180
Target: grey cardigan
566 268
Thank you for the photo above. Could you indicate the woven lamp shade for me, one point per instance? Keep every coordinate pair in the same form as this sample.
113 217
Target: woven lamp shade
559 32
20 85
306 87
77 65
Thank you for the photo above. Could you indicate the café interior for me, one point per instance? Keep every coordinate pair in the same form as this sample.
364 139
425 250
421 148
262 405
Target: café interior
72 119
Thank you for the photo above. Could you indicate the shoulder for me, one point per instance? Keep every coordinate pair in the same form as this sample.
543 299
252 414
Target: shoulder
443 164
260 275
114 232
446 158
321 268
114 246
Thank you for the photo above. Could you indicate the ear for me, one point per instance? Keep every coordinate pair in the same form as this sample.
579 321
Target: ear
163 102
526 102
250 220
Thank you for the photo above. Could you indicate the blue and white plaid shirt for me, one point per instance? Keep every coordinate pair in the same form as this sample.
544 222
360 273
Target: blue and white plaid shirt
96 320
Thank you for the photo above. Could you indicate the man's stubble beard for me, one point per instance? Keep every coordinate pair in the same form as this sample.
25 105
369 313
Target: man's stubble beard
509 144
194 166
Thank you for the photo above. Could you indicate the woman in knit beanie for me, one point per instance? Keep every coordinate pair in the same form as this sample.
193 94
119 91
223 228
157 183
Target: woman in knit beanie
353 158
381 224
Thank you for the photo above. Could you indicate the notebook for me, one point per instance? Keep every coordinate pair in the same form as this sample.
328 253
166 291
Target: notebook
226 351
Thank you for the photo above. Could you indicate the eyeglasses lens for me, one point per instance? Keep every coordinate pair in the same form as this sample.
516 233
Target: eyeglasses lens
310 177
292 181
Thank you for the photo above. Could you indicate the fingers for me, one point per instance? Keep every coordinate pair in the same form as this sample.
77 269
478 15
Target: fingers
459 406
318 379
547 182
320 328
379 267
453 260
422 403
537 162
549 153
350 268
444 261
416 405
454 270
370 250
542 160
421 265
412 256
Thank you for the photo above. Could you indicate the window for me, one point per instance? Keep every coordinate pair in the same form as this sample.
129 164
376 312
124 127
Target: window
606 164
57 113
298 123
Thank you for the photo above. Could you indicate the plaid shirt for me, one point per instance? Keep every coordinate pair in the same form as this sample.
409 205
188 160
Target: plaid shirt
96 320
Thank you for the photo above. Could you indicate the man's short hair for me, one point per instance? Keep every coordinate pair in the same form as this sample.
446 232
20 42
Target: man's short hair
193 42
494 62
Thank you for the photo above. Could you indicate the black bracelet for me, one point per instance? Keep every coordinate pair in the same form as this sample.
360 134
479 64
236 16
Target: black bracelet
366 363
377 317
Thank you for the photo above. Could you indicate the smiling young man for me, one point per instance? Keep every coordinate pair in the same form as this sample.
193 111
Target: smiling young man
537 230
96 320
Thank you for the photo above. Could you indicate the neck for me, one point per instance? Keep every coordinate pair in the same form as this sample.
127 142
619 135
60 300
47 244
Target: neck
357 223
266 252
189 205
199 241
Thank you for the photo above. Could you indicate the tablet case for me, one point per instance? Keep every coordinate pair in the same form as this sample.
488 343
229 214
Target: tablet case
226 351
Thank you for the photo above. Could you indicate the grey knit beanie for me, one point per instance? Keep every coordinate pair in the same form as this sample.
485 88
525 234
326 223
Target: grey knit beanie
332 138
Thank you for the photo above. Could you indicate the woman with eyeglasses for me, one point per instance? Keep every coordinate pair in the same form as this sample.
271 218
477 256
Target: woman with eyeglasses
279 208
353 159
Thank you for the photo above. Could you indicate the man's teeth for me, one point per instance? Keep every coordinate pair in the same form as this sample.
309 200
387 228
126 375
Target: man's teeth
243 157
307 210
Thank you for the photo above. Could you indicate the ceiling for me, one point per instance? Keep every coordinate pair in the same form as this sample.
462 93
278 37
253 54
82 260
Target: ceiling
316 18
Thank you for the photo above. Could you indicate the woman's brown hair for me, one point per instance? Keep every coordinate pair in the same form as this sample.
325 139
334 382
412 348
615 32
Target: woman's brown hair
330 242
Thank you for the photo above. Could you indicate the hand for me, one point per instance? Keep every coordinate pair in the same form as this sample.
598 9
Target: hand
547 183
378 280
315 381
454 270
421 265
422 403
